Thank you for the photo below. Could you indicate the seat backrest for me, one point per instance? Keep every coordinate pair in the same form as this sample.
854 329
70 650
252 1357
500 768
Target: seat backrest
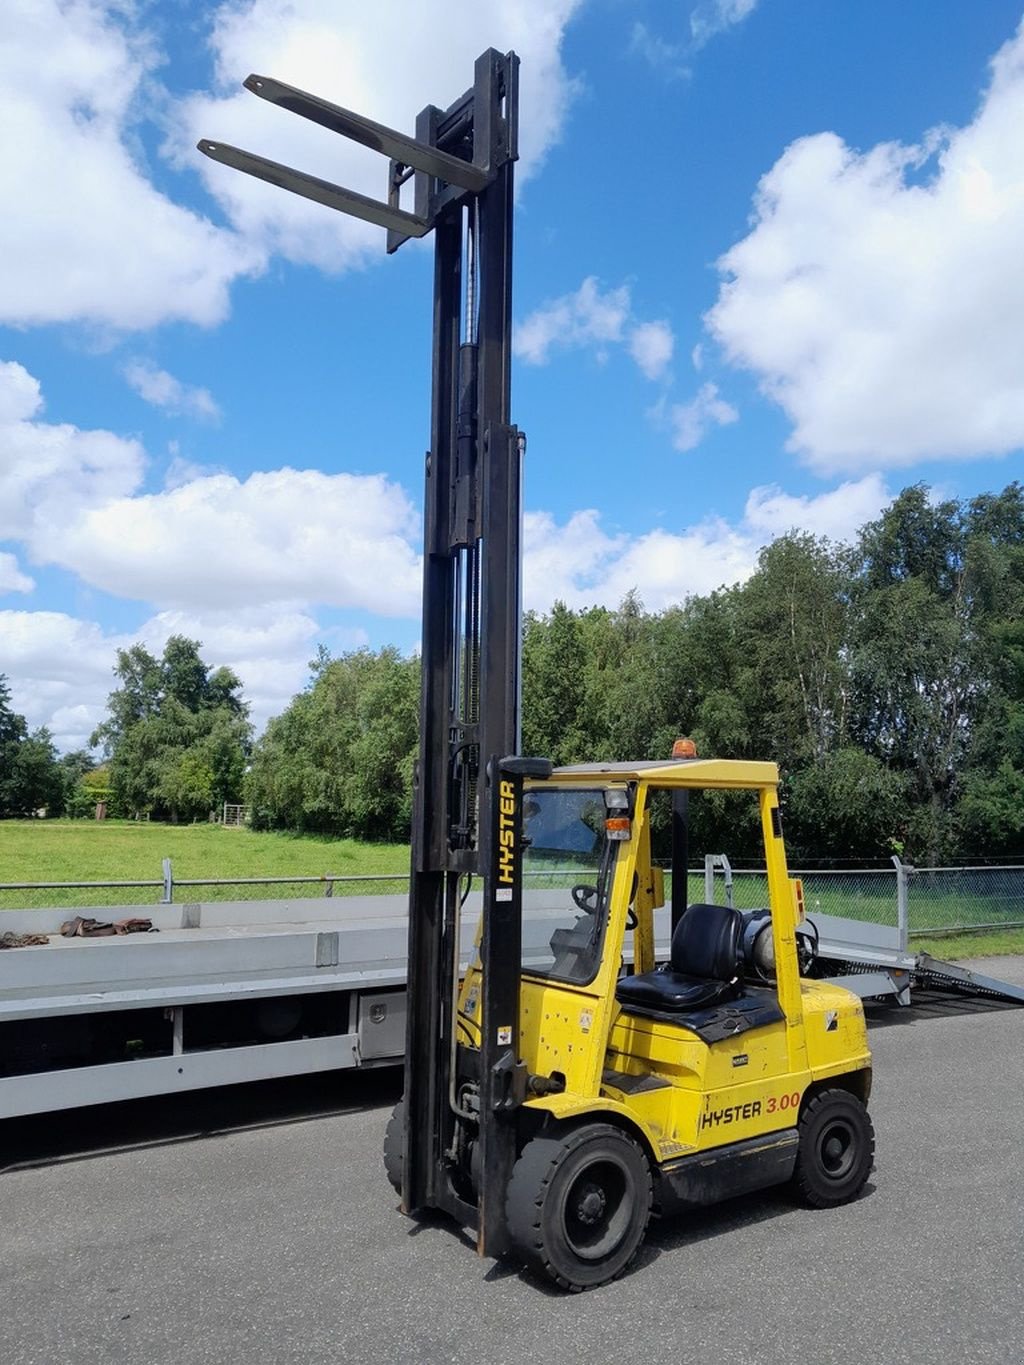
707 942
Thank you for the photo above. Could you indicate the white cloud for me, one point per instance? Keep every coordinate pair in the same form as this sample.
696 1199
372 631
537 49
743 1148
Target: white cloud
596 318
586 317
658 51
690 422
207 542
581 564
61 667
346 540
651 345
706 21
882 310
240 564
837 514
11 577
715 16
387 61
91 239
559 561
51 473
161 389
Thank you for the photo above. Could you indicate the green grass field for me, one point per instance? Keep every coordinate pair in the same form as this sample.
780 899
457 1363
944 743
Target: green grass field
1003 944
123 850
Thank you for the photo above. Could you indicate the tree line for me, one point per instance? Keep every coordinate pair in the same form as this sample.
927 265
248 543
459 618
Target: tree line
885 677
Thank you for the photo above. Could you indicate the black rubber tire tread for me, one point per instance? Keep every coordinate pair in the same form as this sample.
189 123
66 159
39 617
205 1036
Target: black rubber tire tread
393 1142
535 1177
814 1183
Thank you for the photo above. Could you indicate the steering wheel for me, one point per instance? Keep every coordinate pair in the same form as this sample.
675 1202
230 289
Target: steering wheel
585 898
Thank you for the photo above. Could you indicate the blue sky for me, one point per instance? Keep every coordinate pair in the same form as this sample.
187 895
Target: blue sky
767 274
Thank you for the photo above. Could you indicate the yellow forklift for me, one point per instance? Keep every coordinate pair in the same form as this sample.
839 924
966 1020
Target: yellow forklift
565 1084
634 1086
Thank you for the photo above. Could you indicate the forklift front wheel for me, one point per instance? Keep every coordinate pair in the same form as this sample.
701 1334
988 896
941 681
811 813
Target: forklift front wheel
837 1149
578 1204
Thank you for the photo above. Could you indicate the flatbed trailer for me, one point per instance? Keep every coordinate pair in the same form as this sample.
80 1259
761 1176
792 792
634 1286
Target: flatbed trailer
225 992
219 993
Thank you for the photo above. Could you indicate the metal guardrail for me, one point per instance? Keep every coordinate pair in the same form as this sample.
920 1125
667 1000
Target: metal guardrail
170 890
919 901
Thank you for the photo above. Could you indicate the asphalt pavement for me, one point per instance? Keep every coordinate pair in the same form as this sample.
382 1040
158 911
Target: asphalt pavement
256 1225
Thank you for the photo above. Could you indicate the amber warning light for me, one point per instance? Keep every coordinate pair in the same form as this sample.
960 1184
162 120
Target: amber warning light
684 748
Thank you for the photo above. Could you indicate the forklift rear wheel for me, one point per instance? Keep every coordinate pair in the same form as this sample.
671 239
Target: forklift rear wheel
393 1145
578 1204
837 1148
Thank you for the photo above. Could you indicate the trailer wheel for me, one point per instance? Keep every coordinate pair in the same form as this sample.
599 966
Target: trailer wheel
837 1149
578 1205
393 1140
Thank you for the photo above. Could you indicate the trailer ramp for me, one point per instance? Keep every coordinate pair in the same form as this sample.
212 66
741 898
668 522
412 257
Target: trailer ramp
865 959
932 972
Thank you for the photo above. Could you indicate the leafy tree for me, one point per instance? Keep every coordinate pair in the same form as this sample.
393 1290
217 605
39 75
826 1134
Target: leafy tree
35 775
13 731
847 805
914 662
137 699
991 812
554 673
30 778
339 759
794 622
84 783
177 733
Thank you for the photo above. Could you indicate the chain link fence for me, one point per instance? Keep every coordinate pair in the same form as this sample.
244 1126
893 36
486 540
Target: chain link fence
944 900
860 893
939 900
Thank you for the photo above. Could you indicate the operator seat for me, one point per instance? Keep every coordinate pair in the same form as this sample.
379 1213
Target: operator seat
703 969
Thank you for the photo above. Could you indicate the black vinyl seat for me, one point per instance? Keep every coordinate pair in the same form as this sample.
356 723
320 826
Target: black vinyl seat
703 969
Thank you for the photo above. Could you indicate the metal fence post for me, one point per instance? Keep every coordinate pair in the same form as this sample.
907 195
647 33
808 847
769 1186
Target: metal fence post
711 861
168 896
902 901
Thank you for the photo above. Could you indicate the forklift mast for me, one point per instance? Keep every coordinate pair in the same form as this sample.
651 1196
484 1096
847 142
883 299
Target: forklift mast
461 164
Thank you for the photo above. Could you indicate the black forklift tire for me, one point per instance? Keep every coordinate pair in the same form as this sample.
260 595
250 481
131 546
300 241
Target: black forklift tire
393 1142
837 1149
578 1204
